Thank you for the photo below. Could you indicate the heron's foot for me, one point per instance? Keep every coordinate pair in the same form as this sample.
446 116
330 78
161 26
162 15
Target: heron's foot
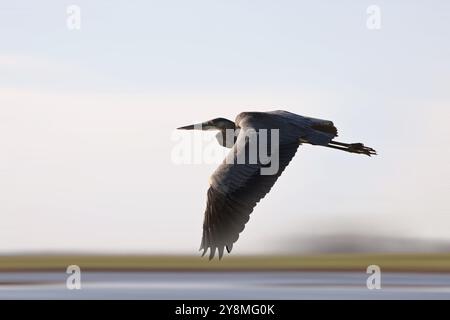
352 147
361 148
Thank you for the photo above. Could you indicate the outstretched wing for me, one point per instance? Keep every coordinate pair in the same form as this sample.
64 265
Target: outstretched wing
234 192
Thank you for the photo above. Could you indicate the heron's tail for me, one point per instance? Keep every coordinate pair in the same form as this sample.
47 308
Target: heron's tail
352 147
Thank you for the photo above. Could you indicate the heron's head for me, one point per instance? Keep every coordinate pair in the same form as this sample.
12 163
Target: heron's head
214 124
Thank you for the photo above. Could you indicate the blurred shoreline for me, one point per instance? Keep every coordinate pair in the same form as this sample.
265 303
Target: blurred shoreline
393 262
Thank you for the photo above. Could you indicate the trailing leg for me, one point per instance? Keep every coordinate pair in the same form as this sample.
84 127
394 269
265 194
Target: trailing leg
352 147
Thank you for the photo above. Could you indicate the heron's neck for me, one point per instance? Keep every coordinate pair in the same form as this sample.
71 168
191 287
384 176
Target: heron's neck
227 137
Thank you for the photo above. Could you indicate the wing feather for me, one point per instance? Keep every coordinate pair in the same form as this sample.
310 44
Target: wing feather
231 198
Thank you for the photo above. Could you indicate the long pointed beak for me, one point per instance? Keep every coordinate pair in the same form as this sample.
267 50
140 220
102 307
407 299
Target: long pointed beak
191 127
198 126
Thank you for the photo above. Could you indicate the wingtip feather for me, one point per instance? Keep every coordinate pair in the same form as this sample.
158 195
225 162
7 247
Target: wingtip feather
221 249
212 252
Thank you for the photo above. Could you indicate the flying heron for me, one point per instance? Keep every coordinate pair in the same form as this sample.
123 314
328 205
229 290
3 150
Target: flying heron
236 187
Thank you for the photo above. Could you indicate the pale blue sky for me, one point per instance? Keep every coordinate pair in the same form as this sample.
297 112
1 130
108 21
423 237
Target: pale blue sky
86 118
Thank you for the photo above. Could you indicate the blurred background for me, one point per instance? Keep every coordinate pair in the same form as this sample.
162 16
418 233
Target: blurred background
90 98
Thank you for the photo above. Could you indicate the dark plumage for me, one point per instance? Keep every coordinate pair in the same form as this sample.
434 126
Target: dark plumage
236 188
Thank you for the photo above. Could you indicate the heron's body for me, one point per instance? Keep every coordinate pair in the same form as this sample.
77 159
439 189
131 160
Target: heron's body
236 187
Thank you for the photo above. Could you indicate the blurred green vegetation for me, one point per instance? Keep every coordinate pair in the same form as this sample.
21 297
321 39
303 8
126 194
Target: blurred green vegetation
329 262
